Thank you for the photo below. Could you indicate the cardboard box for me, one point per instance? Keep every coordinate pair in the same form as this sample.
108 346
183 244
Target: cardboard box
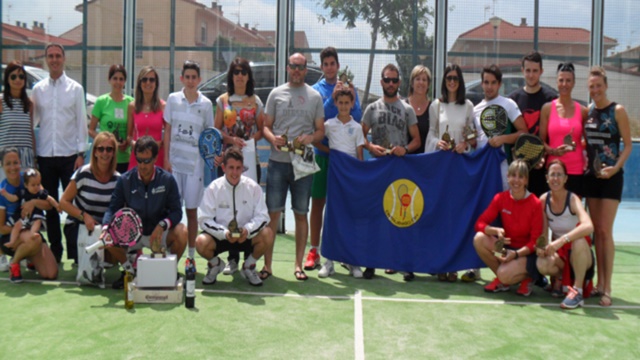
170 295
157 272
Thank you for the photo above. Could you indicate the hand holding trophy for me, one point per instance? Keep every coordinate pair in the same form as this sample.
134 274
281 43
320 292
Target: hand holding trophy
568 140
287 145
234 231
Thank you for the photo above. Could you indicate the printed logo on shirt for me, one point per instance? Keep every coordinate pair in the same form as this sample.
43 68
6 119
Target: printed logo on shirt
403 203
506 211
158 189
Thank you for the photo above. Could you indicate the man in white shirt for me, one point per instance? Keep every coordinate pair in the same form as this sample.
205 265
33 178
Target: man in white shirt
60 109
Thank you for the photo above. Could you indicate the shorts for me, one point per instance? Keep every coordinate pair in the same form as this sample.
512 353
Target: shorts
145 241
532 268
224 246
574 184
11 252
280 179
191 188
604 188
319 187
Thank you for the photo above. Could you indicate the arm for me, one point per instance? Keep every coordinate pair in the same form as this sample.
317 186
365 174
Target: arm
173 203
166 140
317 135
413 144
544 126
545 224
260 125
82 130
267 132
521 128
537 223
92 126
360 152
207 215
582 230
33 134
488 216
432 140
374 149
130 125
4 228
10 197
54 203
356 110
320 146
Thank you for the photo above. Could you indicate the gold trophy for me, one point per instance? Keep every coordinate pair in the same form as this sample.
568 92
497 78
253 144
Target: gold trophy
469 133
298 146
446 137
597 165
287 146
345 77
541 242
568 140
386 144
498 247
234 230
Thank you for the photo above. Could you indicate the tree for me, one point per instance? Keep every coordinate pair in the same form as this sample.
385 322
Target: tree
406 62
387 18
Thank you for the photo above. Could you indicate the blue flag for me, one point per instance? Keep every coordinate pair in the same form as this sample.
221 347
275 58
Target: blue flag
412 213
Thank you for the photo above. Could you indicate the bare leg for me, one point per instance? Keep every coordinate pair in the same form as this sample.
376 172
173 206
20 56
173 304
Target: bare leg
302 231
262 242
273 225
603 214
44 261
205 246
513 271
484 247
550 265
177 240
580 260
192 225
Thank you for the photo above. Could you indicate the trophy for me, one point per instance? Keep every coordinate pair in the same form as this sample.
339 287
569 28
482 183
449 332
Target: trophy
345 77
597 165
240 131
446 137
386 144
287 145
234 230
469 133
498 247
541 242
568 140
298 146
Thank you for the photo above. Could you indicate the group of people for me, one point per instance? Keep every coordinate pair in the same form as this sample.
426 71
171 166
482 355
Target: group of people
145 156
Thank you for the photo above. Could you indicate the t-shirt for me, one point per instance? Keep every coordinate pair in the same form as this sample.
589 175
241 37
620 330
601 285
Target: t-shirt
530 105
294 110
112 117
23 196
187 122
344 137
240 114
8 206
93 196
389 122
511 109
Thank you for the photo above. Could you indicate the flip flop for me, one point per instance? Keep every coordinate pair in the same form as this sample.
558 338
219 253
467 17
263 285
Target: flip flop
264 274
605 300
390 271
300 275
595 292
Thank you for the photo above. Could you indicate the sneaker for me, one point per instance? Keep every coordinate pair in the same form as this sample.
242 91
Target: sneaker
496 286
471 275
355 271
4 263
327 269
313 260
119 284
408 276
16 276
231 267
573 299
525 287
248 273
542 282
368 273
212 273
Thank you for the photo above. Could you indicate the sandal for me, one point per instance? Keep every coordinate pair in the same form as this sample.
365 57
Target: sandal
264 274
596 292
452 276
605 300
390 271
300 275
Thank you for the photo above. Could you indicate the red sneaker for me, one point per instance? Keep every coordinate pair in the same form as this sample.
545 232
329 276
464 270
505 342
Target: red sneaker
16 275
496 286
313 260
525 288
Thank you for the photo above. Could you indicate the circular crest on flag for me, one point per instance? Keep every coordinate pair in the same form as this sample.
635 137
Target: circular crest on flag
403 203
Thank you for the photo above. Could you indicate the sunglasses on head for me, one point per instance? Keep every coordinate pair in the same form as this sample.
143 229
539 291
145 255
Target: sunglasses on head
16 76
390 80
566 67
108 149
240 71
297 66
149 79
145 161
452 78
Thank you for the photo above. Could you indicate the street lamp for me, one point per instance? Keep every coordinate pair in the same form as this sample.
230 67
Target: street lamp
495 22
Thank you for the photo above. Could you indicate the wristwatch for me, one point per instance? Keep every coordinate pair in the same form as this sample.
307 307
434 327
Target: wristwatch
163 224
406 148
566 239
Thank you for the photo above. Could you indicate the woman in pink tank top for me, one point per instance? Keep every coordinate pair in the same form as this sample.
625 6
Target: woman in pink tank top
561 128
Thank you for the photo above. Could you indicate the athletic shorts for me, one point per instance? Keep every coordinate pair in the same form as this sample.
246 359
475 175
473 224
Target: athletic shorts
224 246
191 188
280 179
319 187
574 184
532 268
604 188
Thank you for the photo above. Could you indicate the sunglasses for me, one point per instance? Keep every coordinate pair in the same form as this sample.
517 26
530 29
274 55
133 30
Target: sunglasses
108 149
240 71
452 78
387 80
149 79
16 76
297 66
145 161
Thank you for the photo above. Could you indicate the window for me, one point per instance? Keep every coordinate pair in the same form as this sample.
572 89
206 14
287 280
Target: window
139 37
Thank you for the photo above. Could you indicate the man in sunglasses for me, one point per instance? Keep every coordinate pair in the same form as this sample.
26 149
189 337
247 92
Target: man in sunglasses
60 109
295 112
186 114
393 125
153 193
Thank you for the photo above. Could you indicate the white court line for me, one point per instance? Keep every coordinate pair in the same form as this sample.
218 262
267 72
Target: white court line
358 327
370 298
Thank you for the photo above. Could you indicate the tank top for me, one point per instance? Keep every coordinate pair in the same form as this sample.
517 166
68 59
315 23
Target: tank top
558 128
603 136
563 222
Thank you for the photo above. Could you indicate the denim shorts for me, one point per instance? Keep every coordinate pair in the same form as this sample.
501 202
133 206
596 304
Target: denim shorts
280 179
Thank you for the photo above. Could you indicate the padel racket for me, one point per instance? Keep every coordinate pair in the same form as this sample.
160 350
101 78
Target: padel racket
529 148
124 230
210 145
494 120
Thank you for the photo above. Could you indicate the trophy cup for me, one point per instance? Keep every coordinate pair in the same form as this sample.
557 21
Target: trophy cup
568 140
597 165
298 146
469 133
541 242
498 247
240 130
386 144
345 77
446 137
287 145
234 230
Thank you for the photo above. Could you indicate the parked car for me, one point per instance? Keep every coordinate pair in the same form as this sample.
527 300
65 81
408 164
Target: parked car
510 83
264 76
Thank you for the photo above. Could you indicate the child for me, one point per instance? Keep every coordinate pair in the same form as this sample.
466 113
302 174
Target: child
344 135
33 190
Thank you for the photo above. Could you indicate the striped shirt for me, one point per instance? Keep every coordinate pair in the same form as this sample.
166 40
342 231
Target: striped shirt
15 126
93 196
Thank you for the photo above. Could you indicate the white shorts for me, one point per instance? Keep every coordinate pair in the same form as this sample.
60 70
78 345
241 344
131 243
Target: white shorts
191 188
145 242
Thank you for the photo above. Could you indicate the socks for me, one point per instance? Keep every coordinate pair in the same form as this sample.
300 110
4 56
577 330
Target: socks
579 290
214 261
192 252
250 261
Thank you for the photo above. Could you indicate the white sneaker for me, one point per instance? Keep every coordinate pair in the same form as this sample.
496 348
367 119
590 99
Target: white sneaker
231 267
250 274
355 271
212 273
4 263
326 270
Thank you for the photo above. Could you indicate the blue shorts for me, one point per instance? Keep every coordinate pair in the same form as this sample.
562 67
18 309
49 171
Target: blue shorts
280 179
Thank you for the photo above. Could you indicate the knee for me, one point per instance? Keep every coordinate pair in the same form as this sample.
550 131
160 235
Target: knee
479 239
